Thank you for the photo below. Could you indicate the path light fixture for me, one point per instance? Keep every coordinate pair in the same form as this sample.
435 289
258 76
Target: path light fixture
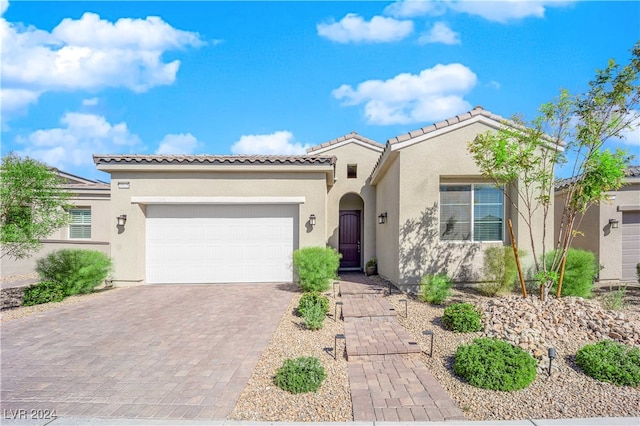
406 309
335 283
429 333
335 311
613 223
552 356
312 220
382 218
121 220
335 344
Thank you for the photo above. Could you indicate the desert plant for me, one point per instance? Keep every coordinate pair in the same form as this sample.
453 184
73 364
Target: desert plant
312 298
579 273
495 364
435 288
612 362
638 271
43 292
303 374
78 271
372 262
614 300
500 270
462 318
314 315
316 267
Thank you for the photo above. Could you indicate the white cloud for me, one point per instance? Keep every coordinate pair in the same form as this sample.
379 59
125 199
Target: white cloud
494 85
433 94
80 136
413 8
353 28
278 143
4 5
440 33
90 53
178 144
90 102
505 10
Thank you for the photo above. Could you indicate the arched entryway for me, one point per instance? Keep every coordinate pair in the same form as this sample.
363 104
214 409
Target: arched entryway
350 235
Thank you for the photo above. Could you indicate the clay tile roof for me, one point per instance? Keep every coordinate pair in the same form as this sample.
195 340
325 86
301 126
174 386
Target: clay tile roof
631 171
275 160
478 110
352 135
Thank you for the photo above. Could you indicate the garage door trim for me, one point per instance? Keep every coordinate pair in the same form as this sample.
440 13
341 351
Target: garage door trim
217 200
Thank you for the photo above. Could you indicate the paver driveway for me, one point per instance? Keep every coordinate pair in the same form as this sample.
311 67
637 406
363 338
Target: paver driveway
149 352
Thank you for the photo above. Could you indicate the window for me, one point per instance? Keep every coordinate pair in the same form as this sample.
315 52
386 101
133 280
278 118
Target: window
352 171
80 226
460 222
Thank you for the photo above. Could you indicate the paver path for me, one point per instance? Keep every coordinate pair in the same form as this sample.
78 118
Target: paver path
387 379
170 351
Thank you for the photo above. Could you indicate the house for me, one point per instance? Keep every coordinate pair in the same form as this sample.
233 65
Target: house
418 204
610 229
89 227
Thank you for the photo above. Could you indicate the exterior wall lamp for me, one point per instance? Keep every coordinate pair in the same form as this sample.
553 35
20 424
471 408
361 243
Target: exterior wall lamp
613 223
312 220
382 218
122 219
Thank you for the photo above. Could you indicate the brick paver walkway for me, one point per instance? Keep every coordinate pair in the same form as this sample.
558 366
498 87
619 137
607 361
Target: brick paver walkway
387 379
149 352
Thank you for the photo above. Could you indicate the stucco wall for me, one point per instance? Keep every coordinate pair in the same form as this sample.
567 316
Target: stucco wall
128 243
388 234
365 158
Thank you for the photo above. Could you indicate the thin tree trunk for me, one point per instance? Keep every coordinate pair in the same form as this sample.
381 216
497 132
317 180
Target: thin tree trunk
514 245
564 261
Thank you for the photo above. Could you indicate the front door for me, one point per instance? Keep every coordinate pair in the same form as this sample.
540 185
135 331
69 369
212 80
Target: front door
349 234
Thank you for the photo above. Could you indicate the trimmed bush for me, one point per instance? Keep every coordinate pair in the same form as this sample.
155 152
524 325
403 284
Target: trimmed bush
299 375
316 267
314 315
612 362
435 288
579 274
78 271
43 292
313 298
500 271
494 364
462 318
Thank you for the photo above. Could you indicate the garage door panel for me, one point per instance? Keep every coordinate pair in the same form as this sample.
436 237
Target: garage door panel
630 245
216 244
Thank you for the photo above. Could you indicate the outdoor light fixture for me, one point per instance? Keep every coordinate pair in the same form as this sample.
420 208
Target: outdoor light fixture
406 309
429 333
335 344
122 219
335 311
382 218
613 223
552 356
312 220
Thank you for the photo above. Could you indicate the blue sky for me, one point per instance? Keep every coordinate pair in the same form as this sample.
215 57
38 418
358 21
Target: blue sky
82 78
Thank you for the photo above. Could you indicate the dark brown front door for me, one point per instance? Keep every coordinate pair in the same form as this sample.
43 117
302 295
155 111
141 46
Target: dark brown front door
349 234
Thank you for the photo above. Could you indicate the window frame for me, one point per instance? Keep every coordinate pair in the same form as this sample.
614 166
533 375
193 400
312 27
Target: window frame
472 212
354 168
81 225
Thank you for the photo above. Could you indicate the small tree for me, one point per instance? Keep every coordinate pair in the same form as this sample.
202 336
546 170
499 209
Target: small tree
521 157
33 204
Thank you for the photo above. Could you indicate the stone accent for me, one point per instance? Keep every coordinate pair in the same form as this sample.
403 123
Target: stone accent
11 297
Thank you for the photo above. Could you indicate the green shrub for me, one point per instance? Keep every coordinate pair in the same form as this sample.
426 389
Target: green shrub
494 364
638 271
500 270
304 374
435 288
462 318
314 315
614 300
78 271
313 298
579 274
611 362
43 292
316 267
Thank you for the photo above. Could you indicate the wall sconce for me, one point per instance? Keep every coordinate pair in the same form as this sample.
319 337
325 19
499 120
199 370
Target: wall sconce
312 220
382 218
122 219
613 223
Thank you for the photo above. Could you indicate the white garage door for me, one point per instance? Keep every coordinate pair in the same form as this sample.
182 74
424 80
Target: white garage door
630 245
220 243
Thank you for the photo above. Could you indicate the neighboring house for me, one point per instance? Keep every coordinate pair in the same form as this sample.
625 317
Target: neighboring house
418 204
89 227
610 229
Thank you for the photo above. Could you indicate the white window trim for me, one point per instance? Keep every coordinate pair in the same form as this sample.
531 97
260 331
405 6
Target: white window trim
472 216
89 225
